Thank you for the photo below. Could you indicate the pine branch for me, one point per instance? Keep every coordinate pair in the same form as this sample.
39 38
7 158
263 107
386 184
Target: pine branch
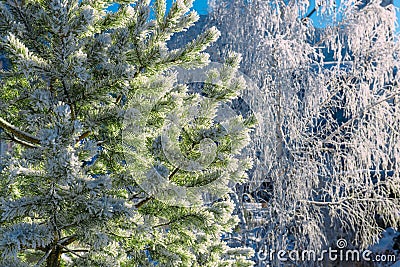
71 104
74 251
173 173
40 262
141 69
67 240
175 220
144 201
27 139
133 195
83 136
19 134
21 142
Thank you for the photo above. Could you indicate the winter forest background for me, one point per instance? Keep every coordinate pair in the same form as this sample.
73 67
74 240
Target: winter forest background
137 133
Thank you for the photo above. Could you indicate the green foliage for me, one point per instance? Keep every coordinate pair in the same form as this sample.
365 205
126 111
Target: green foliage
68 196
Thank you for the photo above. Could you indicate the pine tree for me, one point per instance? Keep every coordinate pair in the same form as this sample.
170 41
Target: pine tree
71 192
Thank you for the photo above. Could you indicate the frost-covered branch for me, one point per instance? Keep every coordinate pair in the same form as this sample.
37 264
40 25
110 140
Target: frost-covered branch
21 135
21 142
328 99
345 199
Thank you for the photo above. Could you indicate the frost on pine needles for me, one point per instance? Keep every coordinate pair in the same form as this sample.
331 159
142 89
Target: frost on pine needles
68 195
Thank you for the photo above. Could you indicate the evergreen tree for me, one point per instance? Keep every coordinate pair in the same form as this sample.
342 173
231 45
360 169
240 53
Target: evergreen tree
71 192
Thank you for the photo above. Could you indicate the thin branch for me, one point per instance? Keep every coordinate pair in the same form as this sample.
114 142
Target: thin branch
21 135
133 196
39 263
360 115
174 220
71 104
177 168
309 14
139 71
74 251
26 139
67 240
120 236
144 201
83 136
173 173
18 141
342 200
64 227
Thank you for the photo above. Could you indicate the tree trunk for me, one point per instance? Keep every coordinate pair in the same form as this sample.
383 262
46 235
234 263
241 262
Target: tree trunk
54 258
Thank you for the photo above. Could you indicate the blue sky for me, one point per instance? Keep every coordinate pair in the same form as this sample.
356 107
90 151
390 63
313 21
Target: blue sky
201 7
397 5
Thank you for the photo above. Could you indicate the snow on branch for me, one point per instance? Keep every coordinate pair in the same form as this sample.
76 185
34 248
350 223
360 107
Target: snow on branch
26 138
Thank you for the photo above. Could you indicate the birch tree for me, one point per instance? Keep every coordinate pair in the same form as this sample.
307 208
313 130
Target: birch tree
328 145
69 192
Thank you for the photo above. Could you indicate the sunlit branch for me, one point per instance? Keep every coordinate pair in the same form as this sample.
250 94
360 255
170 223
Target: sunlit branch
21 135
